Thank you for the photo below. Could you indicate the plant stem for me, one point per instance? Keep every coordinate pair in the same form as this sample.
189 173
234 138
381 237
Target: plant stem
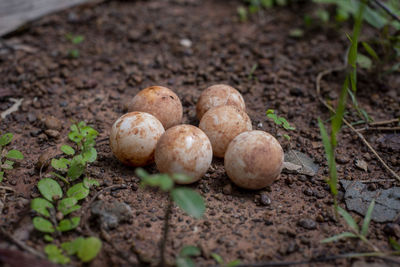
165 231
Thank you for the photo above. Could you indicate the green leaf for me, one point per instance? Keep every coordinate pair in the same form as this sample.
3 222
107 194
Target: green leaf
189 200
337 119
90 155
89 131
270 111
297 33
77 167
74 128
62 178
1 176
349 220
233 263
330 156
90 182
78 191
14 154
395 245
370 50
41 206
50 189
141 173
367 219
323 15
364 61
67 205
339 236
68 224
81 124
8 165
67 150
242 12
75 137
89 249
77 39
73 53
217 258
188 251
55 255
185 262
60 164
48 238
5 139
72 247
163 181
181 178
43 225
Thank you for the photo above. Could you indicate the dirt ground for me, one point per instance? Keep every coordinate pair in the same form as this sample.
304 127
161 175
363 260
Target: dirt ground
130 45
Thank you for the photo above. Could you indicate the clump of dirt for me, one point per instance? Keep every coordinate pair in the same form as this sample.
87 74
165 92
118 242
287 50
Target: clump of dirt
132 45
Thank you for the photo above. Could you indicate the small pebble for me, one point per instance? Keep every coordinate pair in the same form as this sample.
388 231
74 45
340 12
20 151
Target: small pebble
308 224
265 200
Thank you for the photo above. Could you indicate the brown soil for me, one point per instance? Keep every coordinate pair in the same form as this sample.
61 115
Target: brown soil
132 45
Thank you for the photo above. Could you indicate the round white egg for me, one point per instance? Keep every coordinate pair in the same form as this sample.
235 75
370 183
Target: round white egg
134 137
254 160
184 149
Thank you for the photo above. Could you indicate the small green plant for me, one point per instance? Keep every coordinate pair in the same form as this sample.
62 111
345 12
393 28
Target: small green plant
184 259
75 40
187 199
221 261
56 205
7 156
281 121
252 70
356 232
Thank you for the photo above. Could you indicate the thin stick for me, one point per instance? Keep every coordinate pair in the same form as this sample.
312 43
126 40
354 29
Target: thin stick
377 181
22 244
165 232
318 89
383 122
379 129
387 10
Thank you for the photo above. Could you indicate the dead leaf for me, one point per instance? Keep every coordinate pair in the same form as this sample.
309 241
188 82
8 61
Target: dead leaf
297 162
358 198
361 164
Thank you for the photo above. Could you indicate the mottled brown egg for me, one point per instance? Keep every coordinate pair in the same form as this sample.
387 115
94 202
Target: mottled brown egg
134 137
222 124
160 102
254 160
219 95
184 149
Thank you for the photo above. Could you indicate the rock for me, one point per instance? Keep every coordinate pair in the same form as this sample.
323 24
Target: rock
52 133
361 164
52 123
227 189
31 117
111 214
392 229
308 224
342 159
44 159
358 198
265 200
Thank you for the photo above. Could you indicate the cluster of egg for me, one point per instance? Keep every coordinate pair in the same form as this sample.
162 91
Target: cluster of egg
152 131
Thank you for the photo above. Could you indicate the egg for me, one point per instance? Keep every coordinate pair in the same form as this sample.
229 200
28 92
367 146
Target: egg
161 102
222 124
254 160
218 95
184 149
134 137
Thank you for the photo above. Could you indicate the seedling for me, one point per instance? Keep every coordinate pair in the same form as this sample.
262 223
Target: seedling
252 70
281 121
55 208
75 40
184 259
221 261
7 156
187 199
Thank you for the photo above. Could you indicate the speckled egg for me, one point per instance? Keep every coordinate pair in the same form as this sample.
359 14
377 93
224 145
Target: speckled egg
222 124
184 149
161 102
134 137
219 95
254 160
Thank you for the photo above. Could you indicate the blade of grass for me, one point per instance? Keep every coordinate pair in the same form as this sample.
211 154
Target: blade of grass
367 219
349 220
